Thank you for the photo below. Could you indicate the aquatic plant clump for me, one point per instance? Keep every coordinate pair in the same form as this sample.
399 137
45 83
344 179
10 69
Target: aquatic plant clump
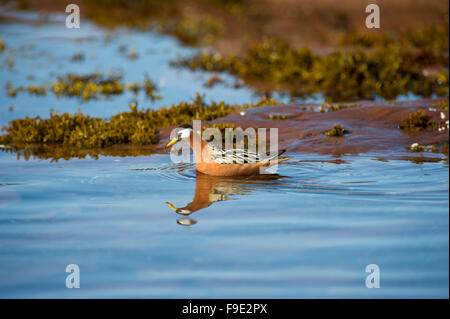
38 90
342 75
87 86
433 38
194 31
137 127
336 131
270 60
443 104
78 57
333 108
149 88
276 117
416 121
213 81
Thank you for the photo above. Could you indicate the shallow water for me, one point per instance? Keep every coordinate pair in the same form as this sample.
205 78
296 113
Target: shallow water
307 234
41 46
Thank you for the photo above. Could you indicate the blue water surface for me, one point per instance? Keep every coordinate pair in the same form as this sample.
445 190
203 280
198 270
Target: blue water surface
308 234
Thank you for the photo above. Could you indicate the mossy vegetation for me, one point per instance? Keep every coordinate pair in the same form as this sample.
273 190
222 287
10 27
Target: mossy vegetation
77 57
263 101
380 67
336 131
430 38
369 64
88 87
416 121
336 107
272 61
36 90
31 89
162 16
2 46
151 89
213 81
136 127
12 91
194 30
443 104
244 20
148 87
276 117
134 87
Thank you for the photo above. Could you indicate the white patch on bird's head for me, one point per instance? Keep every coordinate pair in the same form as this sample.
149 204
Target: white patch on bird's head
184 133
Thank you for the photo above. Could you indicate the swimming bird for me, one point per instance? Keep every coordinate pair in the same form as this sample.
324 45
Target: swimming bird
212 159
212 189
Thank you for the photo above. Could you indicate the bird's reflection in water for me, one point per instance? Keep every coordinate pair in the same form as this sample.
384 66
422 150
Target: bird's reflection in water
211 189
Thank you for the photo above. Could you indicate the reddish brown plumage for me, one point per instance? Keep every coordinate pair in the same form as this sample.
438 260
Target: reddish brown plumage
209 167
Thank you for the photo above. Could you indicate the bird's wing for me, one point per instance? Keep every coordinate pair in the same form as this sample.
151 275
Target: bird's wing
237 156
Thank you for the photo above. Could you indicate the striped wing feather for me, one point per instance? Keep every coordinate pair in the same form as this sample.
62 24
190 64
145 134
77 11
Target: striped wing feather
237 156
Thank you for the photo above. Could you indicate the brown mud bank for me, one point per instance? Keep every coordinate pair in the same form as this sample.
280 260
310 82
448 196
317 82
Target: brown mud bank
369 126
419 127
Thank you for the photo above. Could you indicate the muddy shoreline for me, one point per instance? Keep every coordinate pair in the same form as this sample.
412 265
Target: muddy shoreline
371 126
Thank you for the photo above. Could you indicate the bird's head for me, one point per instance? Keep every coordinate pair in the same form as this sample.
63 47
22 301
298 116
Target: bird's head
183 133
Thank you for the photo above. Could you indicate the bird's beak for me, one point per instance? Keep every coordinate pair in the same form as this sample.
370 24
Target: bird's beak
171 206
172 142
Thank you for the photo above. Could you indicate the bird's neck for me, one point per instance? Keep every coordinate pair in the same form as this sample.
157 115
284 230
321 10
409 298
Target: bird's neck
199 146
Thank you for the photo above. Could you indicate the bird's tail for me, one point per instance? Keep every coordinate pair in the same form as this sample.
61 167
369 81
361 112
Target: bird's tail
272 161
280 152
